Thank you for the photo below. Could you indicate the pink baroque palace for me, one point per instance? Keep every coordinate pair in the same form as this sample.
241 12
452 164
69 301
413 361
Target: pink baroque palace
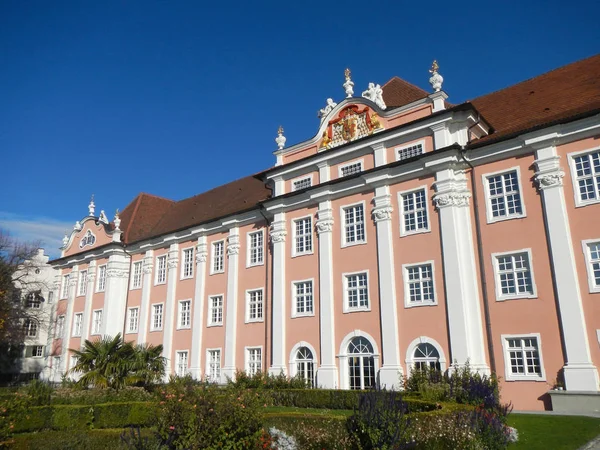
407 232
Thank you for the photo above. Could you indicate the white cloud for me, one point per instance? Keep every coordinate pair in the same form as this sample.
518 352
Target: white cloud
49 232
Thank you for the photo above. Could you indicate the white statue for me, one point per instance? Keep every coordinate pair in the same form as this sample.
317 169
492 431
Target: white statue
103 217
117 221
280 139
436 79
65 240
91 206
375 94
77 226
348 84
323 112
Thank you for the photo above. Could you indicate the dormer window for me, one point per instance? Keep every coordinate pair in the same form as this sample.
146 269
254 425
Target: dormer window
351 169
301 183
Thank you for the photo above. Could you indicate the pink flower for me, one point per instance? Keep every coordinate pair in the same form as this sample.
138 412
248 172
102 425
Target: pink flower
171 427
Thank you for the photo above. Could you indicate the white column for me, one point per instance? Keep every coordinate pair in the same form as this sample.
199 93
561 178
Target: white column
391 371
327 374
170 307
460 271
233 250
278 339
147 265
68 320
579 370
115 296
198 318
89 293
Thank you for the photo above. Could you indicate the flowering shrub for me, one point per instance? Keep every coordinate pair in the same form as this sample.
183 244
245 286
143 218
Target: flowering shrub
281 440
263 380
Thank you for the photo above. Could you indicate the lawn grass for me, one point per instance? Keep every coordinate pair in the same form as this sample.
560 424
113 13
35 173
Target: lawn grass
292 411
541 432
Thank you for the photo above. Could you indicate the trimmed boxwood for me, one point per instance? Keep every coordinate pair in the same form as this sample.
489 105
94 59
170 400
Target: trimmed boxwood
115 415
80 440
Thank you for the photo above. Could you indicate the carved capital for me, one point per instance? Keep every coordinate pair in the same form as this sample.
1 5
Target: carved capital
549 180
382 213
147 264
324 225
233 245
117 273
73 279
201 252
278 232
452 199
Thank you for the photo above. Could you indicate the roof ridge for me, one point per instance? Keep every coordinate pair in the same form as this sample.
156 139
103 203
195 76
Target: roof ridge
156 196
404 81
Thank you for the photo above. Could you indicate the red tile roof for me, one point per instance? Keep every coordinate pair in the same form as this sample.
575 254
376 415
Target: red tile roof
398 92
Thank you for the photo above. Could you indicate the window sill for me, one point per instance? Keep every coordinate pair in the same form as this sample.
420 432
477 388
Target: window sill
526 378
519 297
215 325
584 203
353 244
296 255
135 288
254 320
300 315
355 310
131 332
191 277
217 273
155 330
248 266
414 232
419 304
187 327
491 220
160 284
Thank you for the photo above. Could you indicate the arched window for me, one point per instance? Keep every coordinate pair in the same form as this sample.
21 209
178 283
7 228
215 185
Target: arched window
426 356
30 328
305 365
361 364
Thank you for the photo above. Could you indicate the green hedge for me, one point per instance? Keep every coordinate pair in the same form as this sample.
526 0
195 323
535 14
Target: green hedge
74 440
83 417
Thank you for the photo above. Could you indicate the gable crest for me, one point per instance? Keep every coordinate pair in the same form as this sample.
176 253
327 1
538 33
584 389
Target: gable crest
351 123
88 239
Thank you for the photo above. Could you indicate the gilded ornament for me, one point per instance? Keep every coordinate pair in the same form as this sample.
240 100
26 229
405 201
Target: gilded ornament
326 140
375 124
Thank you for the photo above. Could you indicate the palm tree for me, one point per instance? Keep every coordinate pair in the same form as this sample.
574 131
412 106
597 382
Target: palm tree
147 366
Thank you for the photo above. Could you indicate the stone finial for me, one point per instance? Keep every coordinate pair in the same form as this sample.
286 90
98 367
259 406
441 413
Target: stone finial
77 226
65 240
117 220
436 79
328 107
375 94
280 139
348 84
102 218
92 206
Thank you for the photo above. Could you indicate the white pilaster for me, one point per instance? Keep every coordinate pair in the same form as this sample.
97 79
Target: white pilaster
327 373
391 371
380 154
198 318
115 296
89 293
460 271
148 263
233 250
170 307
441 135
64 359
278 340
324 172
579 371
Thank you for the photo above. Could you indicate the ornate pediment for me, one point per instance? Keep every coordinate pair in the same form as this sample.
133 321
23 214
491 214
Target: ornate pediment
351 123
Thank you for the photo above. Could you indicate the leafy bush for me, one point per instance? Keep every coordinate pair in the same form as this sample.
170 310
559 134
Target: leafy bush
39 392
313 433
264 380
75 440
77 396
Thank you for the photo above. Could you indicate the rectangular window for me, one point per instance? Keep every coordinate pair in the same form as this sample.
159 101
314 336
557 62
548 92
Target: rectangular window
218 257
30 328
185 314
409 152
64 292
354 224
37 351
60 326
187 270
82 288
514 276
351 169
77 322
181 364
215 310
101 278
523 358
253 360
587 177
50 297
97 322
136 280
414 212
34 300
303 298
214 366
254 305
504 197
161 269
301 183
592 256
255 248
303 236
418 285
157 317
357 291
133 320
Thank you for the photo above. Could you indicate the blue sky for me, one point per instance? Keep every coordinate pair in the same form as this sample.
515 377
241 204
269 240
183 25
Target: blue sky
174 98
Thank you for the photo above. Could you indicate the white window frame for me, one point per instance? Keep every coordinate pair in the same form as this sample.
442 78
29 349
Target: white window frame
101 283
571 157
508 375
35 347
60 326
247 358
397 150
208 365
162 320
410 353
186 370
77 330
360 161
64 288
344 355
407 302
588 264
295 236
262 309
293 362
294 308
184 264
209 321
299 179
137 320
401 194
27 328
488 203
94 330
343 222
180 324
346 308
503 297
82 283
213 246
136 277
249 247
159 271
